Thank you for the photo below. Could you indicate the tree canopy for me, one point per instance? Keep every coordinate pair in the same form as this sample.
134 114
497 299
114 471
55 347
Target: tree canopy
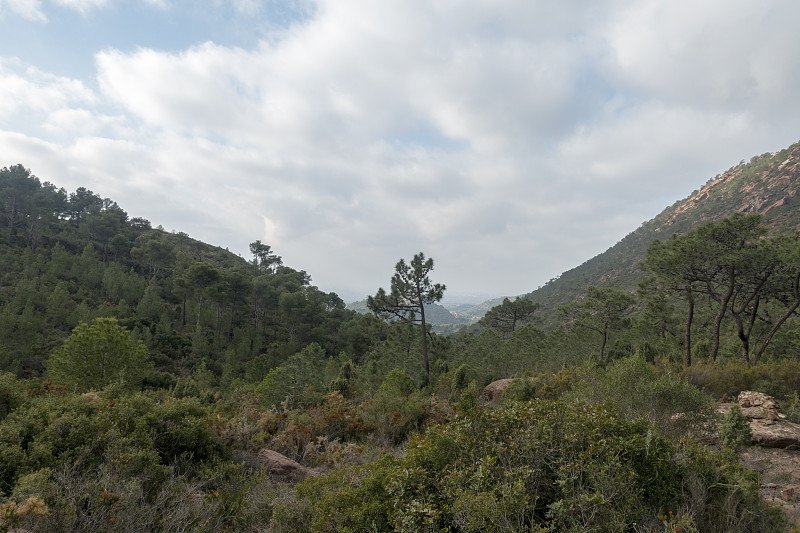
508 315
97 355
411 290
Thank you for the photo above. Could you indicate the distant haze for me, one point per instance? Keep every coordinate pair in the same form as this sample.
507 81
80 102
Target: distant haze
509 141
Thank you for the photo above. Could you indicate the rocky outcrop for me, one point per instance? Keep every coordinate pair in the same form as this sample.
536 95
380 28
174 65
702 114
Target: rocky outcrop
769 427
782 434
758 406
282 466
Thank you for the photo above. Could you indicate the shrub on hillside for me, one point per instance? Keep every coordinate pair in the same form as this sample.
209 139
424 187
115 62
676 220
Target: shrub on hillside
535 466
98 354
637 389
735 432
776 378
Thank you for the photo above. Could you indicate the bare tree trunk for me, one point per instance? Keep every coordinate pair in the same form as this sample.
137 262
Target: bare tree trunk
687 334
789 312
723 307
424 326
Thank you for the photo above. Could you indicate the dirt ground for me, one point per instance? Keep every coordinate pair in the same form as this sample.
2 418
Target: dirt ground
780 469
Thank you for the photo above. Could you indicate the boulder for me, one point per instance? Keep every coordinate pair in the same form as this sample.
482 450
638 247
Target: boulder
495 389
790 493
282 466
775 434
758 406
770 428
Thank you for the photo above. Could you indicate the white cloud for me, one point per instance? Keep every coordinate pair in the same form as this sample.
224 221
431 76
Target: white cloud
718 54
27 9
247 7
29 89
82 6
510 141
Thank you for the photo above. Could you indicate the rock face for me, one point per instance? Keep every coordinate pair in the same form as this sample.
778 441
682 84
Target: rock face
282 466
778 434
770 428
758 406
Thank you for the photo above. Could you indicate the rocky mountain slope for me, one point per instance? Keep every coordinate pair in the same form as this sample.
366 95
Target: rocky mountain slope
767 184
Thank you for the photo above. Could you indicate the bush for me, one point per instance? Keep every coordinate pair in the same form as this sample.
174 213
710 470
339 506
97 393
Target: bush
97 355
548 385
637 389
11 394
776 378
735 432
535 466
84 431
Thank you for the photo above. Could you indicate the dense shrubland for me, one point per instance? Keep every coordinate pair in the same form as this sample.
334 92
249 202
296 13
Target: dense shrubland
143 371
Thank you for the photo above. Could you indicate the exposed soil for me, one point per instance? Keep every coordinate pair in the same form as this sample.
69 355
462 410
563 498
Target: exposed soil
780 469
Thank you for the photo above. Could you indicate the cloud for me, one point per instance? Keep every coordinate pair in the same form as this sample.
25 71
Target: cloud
718 55
29 89
27 9
82 6
510 141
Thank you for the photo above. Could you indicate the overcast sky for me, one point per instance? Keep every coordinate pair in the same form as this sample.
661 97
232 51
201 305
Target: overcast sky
508 140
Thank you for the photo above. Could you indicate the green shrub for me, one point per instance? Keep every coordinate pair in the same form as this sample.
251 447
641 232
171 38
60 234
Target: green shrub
777 378
637 389
96 355
535 466
299 380
11 393
735 432
546 385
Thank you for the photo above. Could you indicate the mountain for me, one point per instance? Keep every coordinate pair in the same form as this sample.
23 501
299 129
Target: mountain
435 314
768 184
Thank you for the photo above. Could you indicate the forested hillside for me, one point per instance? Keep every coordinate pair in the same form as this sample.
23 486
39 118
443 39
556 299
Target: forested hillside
767 184
68 258
151 382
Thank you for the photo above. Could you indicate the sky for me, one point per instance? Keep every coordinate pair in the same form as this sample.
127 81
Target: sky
507 140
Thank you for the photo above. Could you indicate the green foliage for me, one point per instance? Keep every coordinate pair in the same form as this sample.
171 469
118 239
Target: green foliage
411 291
353 500
396 410
97 355
602 311
735 432
538 466
728 379
296 380
508 315
11 394
250 355
637 390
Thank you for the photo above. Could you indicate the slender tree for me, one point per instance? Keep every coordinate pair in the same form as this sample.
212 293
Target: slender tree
783 289
201 276
411 290
264 259
602 311
716 261
506 316
675 264
725 246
